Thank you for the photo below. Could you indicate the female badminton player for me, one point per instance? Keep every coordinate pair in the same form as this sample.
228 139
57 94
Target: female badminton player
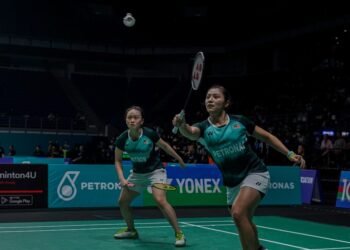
244 174
140 142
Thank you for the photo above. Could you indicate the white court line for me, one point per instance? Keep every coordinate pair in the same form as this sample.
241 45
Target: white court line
156 223
108 224
332 248
304 234
227 232
68 229
85 225
94 228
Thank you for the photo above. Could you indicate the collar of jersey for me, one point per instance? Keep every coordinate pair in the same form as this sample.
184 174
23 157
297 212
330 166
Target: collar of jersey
137 138
228 121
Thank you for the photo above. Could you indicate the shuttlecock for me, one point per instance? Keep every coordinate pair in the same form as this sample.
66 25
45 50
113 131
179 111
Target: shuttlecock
129 20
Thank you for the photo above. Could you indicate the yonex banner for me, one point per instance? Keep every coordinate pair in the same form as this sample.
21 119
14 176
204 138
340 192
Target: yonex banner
197 185
343 197
85 185
23 186
284 187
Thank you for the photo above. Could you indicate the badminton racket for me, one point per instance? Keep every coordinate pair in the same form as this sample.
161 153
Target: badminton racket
196 78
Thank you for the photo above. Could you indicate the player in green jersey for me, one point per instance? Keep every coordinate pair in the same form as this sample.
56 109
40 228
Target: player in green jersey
140 142
244 173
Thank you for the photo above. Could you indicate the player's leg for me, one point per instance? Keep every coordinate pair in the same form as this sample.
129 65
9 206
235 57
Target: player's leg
252 212
159 196
125 199
127 195
255 228
260 182
246 200
169 213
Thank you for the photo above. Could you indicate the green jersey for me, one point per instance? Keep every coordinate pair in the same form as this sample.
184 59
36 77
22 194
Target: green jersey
142 152
229 148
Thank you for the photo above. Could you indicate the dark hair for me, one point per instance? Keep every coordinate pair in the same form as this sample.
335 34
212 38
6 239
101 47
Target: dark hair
224 91
134 107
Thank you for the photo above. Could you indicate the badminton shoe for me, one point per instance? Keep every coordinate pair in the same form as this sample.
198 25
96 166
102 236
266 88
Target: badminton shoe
126 234
180 240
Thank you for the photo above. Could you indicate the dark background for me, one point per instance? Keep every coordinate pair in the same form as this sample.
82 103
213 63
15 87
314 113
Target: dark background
252 48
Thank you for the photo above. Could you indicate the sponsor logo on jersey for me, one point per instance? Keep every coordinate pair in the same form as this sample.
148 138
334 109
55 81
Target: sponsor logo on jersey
236 126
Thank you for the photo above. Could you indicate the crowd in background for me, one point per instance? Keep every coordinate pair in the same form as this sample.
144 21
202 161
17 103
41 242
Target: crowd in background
319 150
313 121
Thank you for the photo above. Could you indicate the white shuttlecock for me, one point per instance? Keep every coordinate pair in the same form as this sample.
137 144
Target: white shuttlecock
129 20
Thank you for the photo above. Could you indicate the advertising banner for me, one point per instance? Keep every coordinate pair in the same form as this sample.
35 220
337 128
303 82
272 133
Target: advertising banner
6 160
38 160
343 197
284 188
23 186
310 186
197 185
85 185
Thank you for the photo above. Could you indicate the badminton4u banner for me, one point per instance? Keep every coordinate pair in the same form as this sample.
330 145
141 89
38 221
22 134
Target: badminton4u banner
343 197
23 186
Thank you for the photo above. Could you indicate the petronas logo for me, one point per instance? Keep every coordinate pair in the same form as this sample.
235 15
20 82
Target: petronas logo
67 190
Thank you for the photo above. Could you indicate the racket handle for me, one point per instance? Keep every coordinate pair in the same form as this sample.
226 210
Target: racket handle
175 129
182 115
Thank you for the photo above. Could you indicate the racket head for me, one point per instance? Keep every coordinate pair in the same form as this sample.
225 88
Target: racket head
197 70
164 186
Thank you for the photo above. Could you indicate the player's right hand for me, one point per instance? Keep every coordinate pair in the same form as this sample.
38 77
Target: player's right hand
179 119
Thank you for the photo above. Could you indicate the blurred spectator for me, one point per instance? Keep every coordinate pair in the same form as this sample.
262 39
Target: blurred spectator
12 150
202 154
261 150
80 156
51 117
2 151
301 150
38 151
338 149
49 148
326 149
64 150
55 153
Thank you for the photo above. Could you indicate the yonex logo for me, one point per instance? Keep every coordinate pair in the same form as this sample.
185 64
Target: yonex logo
210 133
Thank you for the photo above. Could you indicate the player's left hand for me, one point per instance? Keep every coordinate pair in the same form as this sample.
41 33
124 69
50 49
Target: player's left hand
298 160
182 164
